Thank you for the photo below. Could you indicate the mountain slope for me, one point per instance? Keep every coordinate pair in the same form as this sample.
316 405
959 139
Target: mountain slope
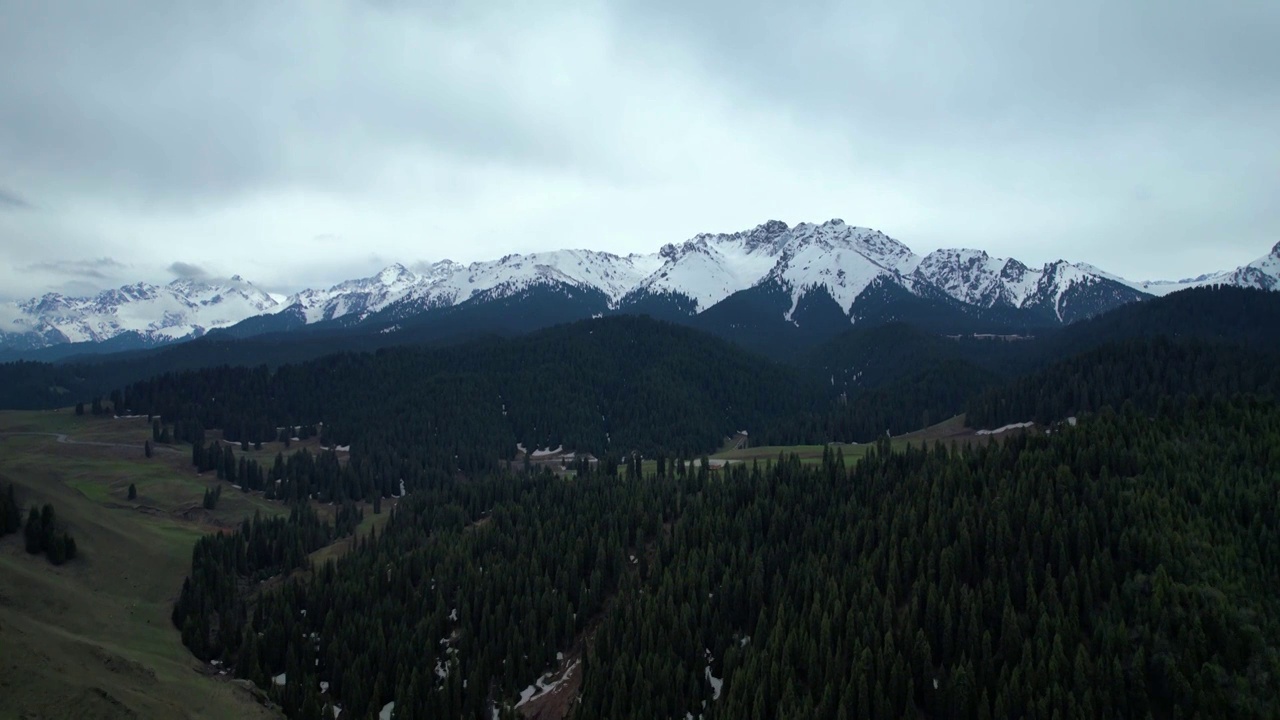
865 275
184 308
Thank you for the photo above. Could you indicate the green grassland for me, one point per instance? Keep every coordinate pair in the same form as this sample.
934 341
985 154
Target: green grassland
951 431
92 638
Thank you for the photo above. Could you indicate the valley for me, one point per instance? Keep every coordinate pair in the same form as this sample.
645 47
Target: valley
93 638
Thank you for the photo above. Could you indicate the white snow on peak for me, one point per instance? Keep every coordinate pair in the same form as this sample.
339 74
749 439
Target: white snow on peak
184 307
611 274
1262 274
707 268
844 259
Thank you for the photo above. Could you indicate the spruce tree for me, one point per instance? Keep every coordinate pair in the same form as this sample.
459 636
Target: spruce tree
133 491
34 532
58 549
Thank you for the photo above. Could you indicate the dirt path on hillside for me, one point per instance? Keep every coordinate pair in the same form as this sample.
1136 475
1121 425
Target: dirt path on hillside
68 440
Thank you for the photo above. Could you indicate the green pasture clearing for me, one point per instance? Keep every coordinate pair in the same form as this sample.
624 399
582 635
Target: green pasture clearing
92 638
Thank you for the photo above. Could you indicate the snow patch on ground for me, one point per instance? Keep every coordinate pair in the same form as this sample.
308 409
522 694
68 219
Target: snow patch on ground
279 679
716 683
387 710
542 687
1006 428
544 453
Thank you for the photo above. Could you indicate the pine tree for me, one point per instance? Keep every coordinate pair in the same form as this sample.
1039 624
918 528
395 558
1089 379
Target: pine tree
58 549
146 448
133 491
48 526
34 532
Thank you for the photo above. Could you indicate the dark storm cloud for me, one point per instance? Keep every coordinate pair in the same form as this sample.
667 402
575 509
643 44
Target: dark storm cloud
104 268
187 270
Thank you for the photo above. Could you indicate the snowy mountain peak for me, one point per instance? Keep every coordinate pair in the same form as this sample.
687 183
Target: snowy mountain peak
395 273
844 259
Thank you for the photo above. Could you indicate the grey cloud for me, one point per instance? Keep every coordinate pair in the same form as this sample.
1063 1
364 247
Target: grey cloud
104 268
289 141
13 200
200 102
187 270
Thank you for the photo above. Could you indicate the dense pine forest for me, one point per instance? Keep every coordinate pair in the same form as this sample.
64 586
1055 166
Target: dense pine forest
1122 567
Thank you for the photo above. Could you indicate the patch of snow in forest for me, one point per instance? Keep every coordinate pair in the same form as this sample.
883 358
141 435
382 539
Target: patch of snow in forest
453 615
543 453
387 710
343 448
1071 421
541 686
716 684
337 710
324 686
402 492
279 679
1012 426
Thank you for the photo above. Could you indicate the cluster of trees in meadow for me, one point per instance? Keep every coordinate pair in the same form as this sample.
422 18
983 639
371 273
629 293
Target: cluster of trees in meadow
45 534
1120 567
10 511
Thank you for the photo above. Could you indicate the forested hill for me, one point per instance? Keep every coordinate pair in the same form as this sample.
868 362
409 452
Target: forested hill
1122 568
613 384
1203 341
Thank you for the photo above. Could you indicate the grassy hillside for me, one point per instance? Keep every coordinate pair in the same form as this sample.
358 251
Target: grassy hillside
92 638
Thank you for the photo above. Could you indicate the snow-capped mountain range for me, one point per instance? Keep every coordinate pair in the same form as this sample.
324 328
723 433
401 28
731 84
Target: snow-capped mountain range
847 261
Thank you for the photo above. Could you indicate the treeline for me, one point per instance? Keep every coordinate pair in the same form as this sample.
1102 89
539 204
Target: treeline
1119 568
621 382
212 609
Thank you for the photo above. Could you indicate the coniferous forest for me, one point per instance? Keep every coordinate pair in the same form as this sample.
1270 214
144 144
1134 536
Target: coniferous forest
1123 567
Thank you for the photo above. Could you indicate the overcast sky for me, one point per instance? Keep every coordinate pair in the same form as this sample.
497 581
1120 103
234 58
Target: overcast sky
301 143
